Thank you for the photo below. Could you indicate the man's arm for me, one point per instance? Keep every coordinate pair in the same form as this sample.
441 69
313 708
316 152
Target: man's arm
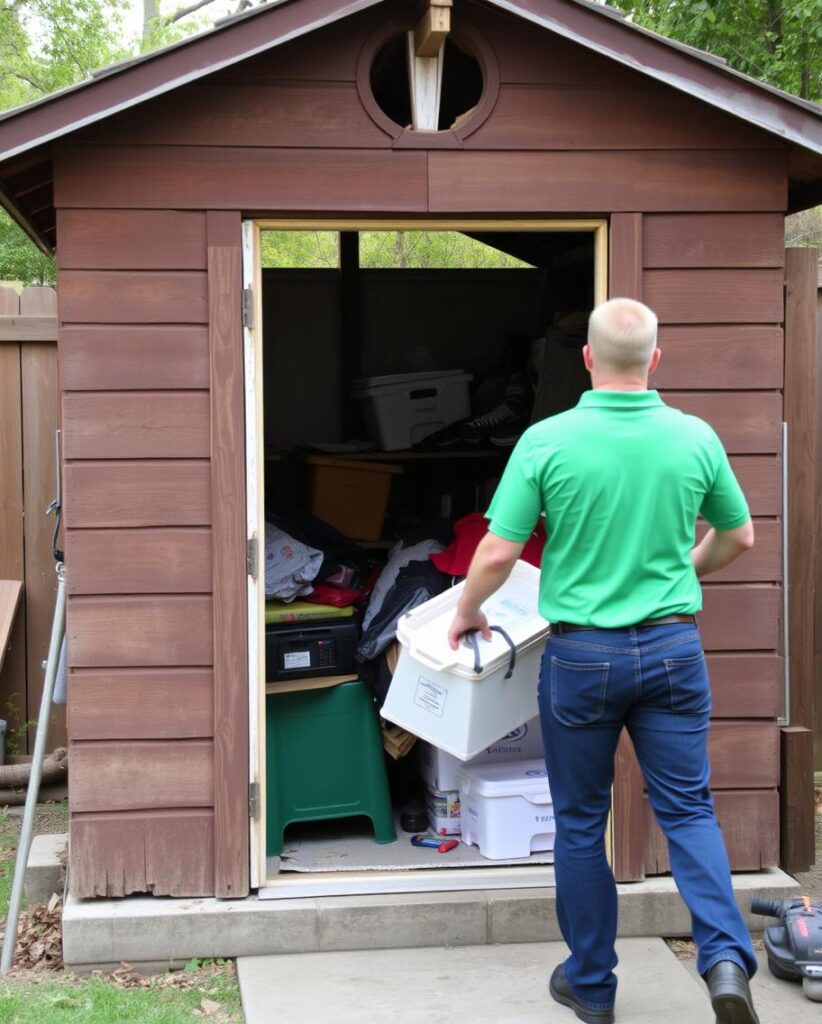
490 567
719 548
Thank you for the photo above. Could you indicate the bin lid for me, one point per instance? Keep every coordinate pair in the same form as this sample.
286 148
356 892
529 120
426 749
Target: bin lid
515 607
508 778
390 382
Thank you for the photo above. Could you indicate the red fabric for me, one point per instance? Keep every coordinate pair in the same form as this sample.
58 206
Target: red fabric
338 597
468 532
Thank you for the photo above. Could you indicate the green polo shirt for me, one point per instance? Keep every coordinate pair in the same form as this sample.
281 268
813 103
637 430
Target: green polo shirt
621 479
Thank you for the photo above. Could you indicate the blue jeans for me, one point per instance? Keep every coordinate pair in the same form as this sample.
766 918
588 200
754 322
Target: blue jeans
653 680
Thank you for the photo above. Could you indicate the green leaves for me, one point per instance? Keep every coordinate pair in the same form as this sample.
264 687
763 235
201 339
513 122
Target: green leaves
776 41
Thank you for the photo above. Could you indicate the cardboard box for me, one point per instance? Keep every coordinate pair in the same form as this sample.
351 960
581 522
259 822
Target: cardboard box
439 769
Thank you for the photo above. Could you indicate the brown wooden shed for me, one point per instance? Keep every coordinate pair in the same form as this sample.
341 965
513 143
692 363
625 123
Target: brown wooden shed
142 178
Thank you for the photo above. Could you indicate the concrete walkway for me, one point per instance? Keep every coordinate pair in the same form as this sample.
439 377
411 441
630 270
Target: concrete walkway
485 985
463 985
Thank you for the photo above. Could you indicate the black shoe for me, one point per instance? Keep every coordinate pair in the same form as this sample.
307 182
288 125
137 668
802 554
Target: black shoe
730 994
561 991
505 422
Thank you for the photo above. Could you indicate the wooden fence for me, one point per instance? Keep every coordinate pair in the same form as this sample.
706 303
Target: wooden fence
29 416
817 646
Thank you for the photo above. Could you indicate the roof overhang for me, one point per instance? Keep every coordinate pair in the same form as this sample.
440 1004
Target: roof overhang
27 132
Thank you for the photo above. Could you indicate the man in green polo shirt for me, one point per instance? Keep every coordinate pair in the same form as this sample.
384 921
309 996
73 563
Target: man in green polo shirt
621 480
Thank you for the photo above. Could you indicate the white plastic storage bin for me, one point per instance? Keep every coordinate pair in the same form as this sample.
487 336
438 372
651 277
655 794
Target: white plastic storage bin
439 770
462 701
403 408
506 809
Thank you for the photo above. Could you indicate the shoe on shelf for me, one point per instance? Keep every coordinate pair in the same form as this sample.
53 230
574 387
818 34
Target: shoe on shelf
562 993
730 994
505 421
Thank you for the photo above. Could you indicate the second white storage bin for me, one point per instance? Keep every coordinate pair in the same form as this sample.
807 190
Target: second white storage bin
403 408
506 809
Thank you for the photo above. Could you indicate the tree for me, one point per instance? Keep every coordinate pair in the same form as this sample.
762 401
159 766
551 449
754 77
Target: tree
47 45
776 41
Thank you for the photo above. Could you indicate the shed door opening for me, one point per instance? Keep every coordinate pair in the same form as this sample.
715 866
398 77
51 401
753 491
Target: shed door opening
399 368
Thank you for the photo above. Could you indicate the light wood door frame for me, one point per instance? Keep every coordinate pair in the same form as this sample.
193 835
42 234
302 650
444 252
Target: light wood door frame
255 455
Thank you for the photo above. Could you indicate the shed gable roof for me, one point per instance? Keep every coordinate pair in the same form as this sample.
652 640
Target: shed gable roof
27 131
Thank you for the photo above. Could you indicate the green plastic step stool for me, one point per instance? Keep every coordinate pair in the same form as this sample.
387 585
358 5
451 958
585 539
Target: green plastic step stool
324 759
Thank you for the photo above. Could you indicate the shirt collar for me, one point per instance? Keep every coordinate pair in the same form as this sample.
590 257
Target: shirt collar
601 398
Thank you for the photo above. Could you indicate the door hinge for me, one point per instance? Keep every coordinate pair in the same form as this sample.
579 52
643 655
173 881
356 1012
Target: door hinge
252 557
248 307
254 800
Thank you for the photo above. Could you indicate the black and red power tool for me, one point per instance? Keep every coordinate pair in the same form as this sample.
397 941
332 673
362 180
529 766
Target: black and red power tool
794 945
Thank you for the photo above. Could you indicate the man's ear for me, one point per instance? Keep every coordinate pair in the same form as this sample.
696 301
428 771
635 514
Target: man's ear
656 355
587 358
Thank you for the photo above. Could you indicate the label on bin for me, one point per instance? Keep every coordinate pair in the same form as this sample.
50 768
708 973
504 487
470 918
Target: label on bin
297 659
430 697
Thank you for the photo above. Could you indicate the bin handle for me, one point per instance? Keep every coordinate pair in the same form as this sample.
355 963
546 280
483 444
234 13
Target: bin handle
472 637
433 663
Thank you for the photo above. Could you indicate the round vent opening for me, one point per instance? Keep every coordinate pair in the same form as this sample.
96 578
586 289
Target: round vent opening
460 90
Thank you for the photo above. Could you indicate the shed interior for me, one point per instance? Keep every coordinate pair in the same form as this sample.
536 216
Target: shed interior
461 339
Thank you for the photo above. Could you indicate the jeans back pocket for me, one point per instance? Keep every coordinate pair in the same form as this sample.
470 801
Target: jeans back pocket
688 684
578 690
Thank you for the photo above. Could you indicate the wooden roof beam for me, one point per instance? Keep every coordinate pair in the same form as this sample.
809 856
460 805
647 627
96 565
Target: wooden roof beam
432 29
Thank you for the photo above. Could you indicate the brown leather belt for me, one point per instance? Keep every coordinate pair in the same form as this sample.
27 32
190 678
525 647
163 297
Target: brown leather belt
558 628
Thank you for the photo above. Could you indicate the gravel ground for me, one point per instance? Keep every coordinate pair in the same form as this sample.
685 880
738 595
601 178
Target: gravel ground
811 881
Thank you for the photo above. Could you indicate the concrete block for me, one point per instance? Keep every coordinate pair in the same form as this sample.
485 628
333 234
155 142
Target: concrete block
522 915
145 928
45 873
412 919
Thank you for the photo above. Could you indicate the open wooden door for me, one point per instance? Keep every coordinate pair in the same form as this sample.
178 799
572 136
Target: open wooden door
803 364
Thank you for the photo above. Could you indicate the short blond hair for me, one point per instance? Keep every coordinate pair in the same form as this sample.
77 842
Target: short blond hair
622 335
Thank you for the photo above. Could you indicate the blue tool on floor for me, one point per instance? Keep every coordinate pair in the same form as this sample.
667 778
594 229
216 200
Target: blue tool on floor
435 843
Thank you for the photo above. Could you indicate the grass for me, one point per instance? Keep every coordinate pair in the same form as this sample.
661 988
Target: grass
98 1001
9 829
204 991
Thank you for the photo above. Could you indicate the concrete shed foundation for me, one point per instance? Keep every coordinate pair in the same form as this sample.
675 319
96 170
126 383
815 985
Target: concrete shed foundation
155 933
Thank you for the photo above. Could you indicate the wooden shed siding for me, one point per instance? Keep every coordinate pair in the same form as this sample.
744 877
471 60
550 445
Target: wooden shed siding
742 814
137 440
715 296
136 425
141 704
713 240
165 852
119 494
141 775
162 560
761 479
720 357
140 262
570 182
117 357
125 240
747 422
716 283
130 631
133 297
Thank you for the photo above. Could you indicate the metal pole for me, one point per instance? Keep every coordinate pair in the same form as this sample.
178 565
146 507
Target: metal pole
24 847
